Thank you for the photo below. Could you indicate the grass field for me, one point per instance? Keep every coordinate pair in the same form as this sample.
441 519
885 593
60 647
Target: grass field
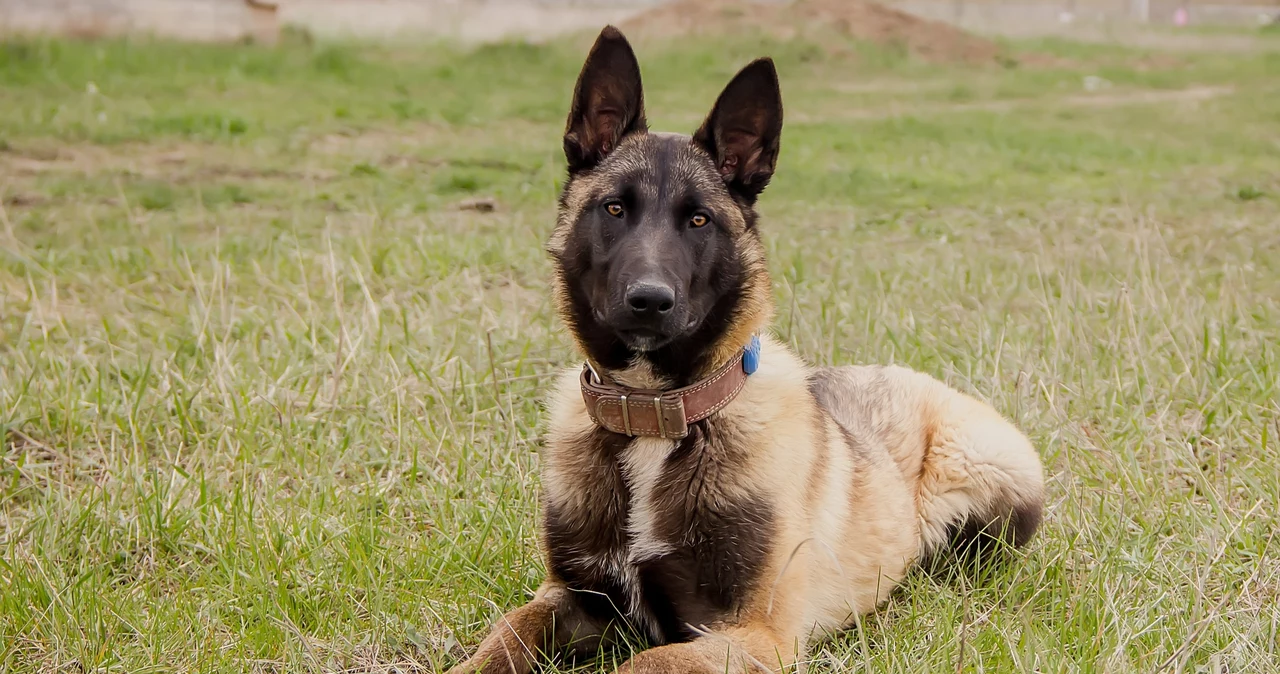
269 394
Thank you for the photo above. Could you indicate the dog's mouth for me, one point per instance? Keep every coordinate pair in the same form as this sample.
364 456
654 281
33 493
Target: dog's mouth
643 339
644 336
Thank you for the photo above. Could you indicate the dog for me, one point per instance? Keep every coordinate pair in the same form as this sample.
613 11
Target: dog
702 487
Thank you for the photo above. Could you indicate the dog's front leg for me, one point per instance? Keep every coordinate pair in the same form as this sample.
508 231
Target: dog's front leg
522 637
739 649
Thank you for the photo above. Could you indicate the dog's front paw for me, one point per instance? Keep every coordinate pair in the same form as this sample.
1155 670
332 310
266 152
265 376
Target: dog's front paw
477 664
668 660
464 667
487 666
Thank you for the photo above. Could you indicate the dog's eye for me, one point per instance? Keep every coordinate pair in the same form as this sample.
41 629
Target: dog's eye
613 208
698 220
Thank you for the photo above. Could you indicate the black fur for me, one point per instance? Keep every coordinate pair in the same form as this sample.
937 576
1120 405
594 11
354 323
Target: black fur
719 541
744 128
599 257
599 530
608 102
718 544
982 539
637 200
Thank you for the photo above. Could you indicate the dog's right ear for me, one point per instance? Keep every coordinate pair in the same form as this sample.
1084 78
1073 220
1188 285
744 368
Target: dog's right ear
608 102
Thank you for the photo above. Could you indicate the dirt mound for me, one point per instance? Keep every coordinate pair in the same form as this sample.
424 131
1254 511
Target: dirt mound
857 19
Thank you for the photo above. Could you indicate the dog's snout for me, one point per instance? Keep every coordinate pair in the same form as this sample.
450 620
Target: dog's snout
648 299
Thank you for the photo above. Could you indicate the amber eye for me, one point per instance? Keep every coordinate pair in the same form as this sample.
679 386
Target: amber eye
613 208
698 220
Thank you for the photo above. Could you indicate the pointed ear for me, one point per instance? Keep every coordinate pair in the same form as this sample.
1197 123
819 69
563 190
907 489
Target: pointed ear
608 102
744 128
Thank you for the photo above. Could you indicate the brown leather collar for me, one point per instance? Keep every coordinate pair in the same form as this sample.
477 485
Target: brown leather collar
660 414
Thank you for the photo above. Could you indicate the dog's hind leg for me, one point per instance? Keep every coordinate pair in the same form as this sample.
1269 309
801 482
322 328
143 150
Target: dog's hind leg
980 484
523 637
977 480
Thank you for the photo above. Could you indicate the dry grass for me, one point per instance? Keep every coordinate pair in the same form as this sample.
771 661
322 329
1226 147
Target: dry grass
269 397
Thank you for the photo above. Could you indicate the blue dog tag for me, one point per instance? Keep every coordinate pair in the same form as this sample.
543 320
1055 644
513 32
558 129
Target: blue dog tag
751 356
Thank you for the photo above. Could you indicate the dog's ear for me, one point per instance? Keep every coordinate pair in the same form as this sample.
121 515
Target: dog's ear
744 128
608 102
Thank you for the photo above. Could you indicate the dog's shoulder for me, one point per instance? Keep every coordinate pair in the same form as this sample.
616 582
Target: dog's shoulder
566 413
778 390
572 444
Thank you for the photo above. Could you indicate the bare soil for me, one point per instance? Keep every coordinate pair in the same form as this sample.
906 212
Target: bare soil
857 19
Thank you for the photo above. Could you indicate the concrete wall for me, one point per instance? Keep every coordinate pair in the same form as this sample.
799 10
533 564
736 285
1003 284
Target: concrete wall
1013 17
182 19
468 20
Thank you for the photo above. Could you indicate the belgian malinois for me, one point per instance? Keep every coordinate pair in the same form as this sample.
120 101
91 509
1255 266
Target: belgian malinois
702 486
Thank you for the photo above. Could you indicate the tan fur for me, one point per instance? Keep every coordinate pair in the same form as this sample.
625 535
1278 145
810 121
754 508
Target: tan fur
852 519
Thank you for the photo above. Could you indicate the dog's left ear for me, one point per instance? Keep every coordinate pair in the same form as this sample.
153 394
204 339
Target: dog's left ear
744 128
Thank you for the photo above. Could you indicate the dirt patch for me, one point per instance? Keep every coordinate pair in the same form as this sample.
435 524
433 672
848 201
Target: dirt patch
1190 94
23 200
174 163
1108 100
464 20
857 19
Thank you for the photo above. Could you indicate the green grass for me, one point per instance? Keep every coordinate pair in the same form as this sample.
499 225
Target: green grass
269 399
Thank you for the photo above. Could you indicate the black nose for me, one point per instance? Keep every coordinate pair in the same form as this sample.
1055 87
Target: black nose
650 300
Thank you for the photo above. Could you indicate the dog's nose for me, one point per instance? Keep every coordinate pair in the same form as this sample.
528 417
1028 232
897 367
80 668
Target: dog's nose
650 300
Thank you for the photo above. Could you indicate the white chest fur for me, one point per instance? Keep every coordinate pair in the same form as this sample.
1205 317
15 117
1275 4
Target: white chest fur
642 466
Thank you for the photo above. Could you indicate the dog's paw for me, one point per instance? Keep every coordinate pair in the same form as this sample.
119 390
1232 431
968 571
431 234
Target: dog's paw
465 667
476 665
668 660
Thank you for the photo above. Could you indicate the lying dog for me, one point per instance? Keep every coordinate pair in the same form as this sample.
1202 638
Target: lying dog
702 486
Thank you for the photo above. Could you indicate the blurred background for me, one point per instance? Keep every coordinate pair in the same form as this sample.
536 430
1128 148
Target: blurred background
495 19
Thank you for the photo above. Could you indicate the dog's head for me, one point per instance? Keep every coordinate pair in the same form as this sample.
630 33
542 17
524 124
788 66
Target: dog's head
659 265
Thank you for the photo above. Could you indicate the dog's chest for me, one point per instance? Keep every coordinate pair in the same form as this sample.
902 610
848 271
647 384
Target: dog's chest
642 466
606 531
652 535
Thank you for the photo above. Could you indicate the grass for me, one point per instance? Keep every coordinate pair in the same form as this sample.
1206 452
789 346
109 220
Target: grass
269 399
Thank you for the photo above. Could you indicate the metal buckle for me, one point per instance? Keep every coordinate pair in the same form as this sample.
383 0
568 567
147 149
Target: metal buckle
592 370
665 431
